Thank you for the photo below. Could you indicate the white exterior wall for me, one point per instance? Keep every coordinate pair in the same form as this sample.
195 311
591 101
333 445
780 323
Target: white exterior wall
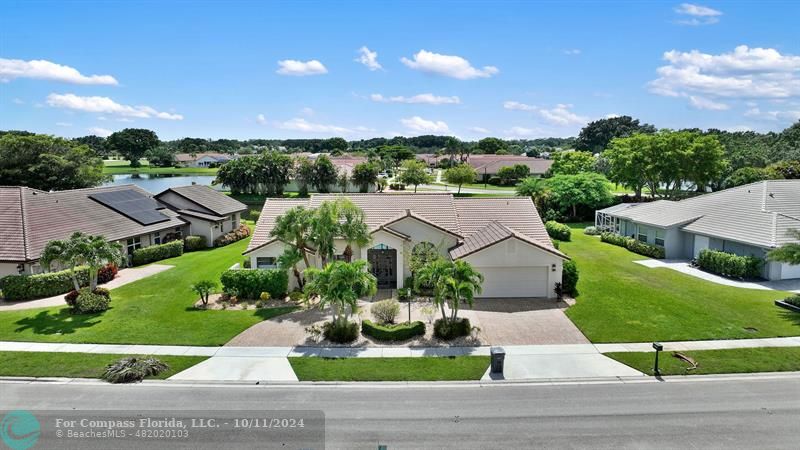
275 250
514 253
8 269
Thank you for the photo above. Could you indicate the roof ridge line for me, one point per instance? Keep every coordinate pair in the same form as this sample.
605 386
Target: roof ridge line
25 245
774 231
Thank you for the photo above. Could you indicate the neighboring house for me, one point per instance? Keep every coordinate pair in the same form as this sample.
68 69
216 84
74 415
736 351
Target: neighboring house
747 220
203 159
503 238
208 212
127 214
31 218
487 166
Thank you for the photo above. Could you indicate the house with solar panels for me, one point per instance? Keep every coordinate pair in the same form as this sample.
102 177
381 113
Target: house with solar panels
126 214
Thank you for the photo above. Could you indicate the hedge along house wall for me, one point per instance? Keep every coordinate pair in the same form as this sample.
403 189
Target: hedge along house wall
729 264
157 252
250 283
633 245
27 287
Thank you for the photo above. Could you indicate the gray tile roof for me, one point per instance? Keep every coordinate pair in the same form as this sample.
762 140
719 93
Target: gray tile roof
464 217
205 197
47 216
759 214
209 217
491 234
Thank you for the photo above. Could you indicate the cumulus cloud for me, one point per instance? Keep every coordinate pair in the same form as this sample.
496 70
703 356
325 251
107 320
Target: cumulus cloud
561 114
744 73
97 131
706 103
421 125
782 116
368 58
300 124
428 99
480 130
307 111
261 119
522 132
105 105
63 124
40 69
296 68
447 65
697 14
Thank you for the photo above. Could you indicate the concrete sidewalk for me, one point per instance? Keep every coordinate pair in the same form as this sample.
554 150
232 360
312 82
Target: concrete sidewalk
123 277
685 267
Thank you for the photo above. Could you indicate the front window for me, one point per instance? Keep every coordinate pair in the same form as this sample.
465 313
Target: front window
157 237
642 235
660 238
266 262
133 244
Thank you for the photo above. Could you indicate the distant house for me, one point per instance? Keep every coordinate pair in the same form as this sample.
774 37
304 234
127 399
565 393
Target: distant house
503 238
126 214
203 159
487 166
207 212
747 220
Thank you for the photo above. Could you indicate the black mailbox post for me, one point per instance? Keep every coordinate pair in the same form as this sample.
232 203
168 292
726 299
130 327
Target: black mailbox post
498 355
658 347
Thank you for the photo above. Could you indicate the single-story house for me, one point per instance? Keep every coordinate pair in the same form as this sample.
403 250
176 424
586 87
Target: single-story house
503 238
30 218
747 220
208 213
203 159
487 166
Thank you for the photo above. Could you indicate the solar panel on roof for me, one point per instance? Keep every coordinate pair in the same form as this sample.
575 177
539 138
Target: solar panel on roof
132 204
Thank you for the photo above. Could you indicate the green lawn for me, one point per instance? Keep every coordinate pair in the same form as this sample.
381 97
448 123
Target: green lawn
78 365
620 301
155 310
390 369
743 360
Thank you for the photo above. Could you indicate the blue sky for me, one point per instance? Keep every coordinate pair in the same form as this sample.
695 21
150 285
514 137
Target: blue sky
471 69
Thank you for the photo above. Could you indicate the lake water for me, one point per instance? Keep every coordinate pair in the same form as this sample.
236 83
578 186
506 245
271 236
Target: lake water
157 183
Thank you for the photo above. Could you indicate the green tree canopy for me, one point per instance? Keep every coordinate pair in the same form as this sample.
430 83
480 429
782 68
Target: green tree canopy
160 156
325 174
596 136
414 173
340 285
572 163
585 191
365 174
132 143
492 145
460 174
746 175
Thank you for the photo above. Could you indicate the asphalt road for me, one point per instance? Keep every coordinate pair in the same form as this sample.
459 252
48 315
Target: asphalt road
709 414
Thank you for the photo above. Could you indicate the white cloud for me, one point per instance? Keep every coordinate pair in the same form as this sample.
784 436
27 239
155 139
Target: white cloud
368 58
261 120
97 131
480 130
447 65
782 116
105 105
611 116
428 99
307 111
421 125
698 14
560 114
522 132
572 51
301 68
708 104
40 69
300 124
63 124
736 128
18 101
744 73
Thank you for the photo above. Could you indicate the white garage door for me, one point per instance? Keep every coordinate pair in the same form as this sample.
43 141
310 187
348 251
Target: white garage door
788 272
514 281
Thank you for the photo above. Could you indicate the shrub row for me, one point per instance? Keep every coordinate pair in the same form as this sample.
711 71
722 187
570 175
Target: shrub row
569 278
558 230
194 243
450 330
249 284
633 245
157 252
398 332
591 231
26 287
397 187
730 265
793 300
236 235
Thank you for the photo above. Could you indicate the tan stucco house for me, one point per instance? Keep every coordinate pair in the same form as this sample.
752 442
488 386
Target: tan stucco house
503 238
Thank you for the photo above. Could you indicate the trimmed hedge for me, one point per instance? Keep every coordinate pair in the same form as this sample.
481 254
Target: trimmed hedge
793 300
88 302
236 235
633 245
398 332
558 230
451 330
730 265
193 243
341 334
249 284
569 278
26 287
591 231
157 252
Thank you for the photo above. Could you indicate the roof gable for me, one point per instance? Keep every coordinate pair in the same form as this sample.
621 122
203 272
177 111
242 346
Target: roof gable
207 198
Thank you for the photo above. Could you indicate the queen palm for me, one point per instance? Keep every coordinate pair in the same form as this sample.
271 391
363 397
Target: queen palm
324 230
294 228
453 283
81 249
96 252
340 285
352 227
66 253
289 259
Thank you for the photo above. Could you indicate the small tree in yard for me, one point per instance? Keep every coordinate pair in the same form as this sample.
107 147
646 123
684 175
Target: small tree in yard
414 173
453 283
81 249
460 174
204 289
787 253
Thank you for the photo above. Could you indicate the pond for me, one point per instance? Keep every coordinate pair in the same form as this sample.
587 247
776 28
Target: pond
156 183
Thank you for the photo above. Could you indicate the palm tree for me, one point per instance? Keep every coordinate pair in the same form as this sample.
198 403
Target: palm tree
294 228
787 253
289 259
324 230
81 249
65 252
453 283
535 188
352 227
434 274
340 285
96 252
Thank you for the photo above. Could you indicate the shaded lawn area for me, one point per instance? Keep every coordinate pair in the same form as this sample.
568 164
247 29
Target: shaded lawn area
741 360
390 369
155 310
620 301
79 365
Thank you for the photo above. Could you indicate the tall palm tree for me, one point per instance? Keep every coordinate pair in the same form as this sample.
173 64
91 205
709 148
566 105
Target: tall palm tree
81 249
294 228
65 252
453 283
324 230
96 252
340 285
289 259
352 227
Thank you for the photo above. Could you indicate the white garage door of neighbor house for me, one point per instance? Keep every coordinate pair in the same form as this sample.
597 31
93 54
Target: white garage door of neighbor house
788 272
514 281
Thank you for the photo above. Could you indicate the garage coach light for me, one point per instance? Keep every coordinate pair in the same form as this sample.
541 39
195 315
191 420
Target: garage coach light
553 267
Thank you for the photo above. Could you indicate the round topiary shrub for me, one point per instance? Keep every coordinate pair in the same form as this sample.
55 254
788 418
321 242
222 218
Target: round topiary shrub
89 302
558 230
591 231
385 311
447 330
341 333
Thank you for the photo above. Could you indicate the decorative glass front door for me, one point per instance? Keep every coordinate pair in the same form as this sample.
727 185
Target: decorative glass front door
383 264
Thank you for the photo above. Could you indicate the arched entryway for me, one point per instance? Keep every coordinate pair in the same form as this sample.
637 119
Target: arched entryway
383 264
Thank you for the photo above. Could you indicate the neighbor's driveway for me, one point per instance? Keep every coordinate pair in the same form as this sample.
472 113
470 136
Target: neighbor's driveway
512 321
